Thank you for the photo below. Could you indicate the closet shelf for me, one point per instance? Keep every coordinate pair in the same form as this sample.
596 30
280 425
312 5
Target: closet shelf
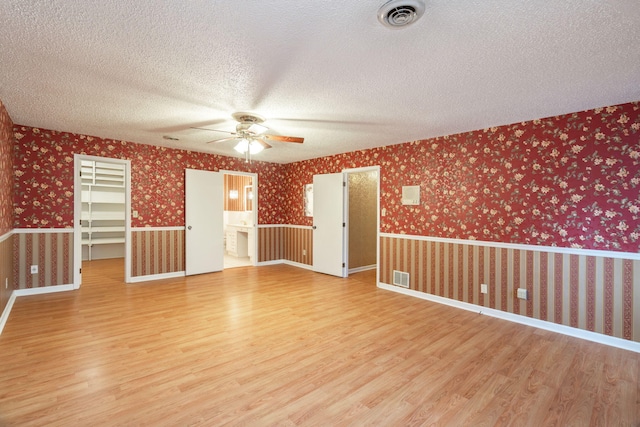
102 216
113 229
103 241
103 207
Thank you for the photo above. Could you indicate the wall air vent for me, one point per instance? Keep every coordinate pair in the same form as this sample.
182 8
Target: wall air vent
400 13
400 278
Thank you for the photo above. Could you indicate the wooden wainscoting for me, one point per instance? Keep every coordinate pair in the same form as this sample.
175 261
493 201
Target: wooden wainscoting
6 270
50 250
157 251
594 293
280 345
285 242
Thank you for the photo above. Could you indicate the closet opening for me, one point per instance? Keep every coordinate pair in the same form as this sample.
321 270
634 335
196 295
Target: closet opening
240 219
363 222
102 223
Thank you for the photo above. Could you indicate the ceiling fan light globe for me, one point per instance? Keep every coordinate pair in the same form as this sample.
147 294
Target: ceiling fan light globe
242 146
255 147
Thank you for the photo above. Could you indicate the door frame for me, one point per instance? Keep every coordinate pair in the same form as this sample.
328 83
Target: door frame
77 215
347 219
254 208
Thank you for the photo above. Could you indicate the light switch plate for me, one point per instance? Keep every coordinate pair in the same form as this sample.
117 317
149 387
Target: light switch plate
411 195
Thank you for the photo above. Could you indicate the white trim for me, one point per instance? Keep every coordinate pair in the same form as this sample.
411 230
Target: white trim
297 264
174 228
128 251
77 213
375 168
306 227
254 207
284 261
7 309
41 230
272 262
6 235
552 249
363 268
43 290
517 318
150 277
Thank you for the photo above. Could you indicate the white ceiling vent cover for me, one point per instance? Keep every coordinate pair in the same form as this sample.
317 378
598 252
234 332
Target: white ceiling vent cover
400 13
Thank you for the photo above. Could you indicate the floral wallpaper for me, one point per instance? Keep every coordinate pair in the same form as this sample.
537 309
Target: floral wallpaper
43 169
6 171
569 181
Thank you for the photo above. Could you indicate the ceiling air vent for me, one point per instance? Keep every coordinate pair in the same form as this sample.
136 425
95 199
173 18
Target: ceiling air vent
400 13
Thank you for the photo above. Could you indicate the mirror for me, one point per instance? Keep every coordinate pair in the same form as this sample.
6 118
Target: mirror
248 198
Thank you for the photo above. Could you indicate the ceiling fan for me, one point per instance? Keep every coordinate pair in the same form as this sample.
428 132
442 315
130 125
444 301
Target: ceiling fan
251 135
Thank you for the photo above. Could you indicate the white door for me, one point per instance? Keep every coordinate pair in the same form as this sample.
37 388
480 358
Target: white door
204 221
328 224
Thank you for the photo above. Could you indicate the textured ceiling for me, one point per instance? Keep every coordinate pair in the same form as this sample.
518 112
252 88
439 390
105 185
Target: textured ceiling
326 71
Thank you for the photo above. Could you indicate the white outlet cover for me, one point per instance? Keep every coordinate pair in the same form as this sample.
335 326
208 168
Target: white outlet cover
522 293
484 288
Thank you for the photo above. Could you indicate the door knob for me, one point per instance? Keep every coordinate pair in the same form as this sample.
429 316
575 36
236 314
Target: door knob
314 227
189 228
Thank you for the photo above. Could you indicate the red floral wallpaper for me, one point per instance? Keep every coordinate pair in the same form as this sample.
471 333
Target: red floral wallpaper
6 171
569 181
43 169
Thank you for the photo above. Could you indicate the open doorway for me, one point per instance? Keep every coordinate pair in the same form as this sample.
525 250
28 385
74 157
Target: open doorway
362 219
240 218
346 221
102 220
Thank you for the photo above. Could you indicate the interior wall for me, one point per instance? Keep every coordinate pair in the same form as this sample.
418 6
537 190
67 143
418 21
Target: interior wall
44 190
236 183
44 186
6 206
569 181
596 293
157 251
363 225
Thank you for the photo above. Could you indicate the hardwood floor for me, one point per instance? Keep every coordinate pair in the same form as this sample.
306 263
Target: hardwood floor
279 345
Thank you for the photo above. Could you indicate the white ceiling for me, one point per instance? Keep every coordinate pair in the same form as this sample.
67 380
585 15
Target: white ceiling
327 71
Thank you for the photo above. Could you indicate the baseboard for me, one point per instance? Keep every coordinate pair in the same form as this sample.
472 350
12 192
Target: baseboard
363 268
287 262
43 290
7 309
273 262
517 318
298 264
150 277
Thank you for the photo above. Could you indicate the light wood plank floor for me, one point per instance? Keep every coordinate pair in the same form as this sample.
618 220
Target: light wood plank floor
279 345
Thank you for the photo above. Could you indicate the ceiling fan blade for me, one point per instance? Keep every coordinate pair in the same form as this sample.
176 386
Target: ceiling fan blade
232 138
261 142
213 130
281 138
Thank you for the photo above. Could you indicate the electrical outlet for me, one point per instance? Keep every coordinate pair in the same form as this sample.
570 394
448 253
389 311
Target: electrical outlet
304 252
522 293
484 288
135 214
34 269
